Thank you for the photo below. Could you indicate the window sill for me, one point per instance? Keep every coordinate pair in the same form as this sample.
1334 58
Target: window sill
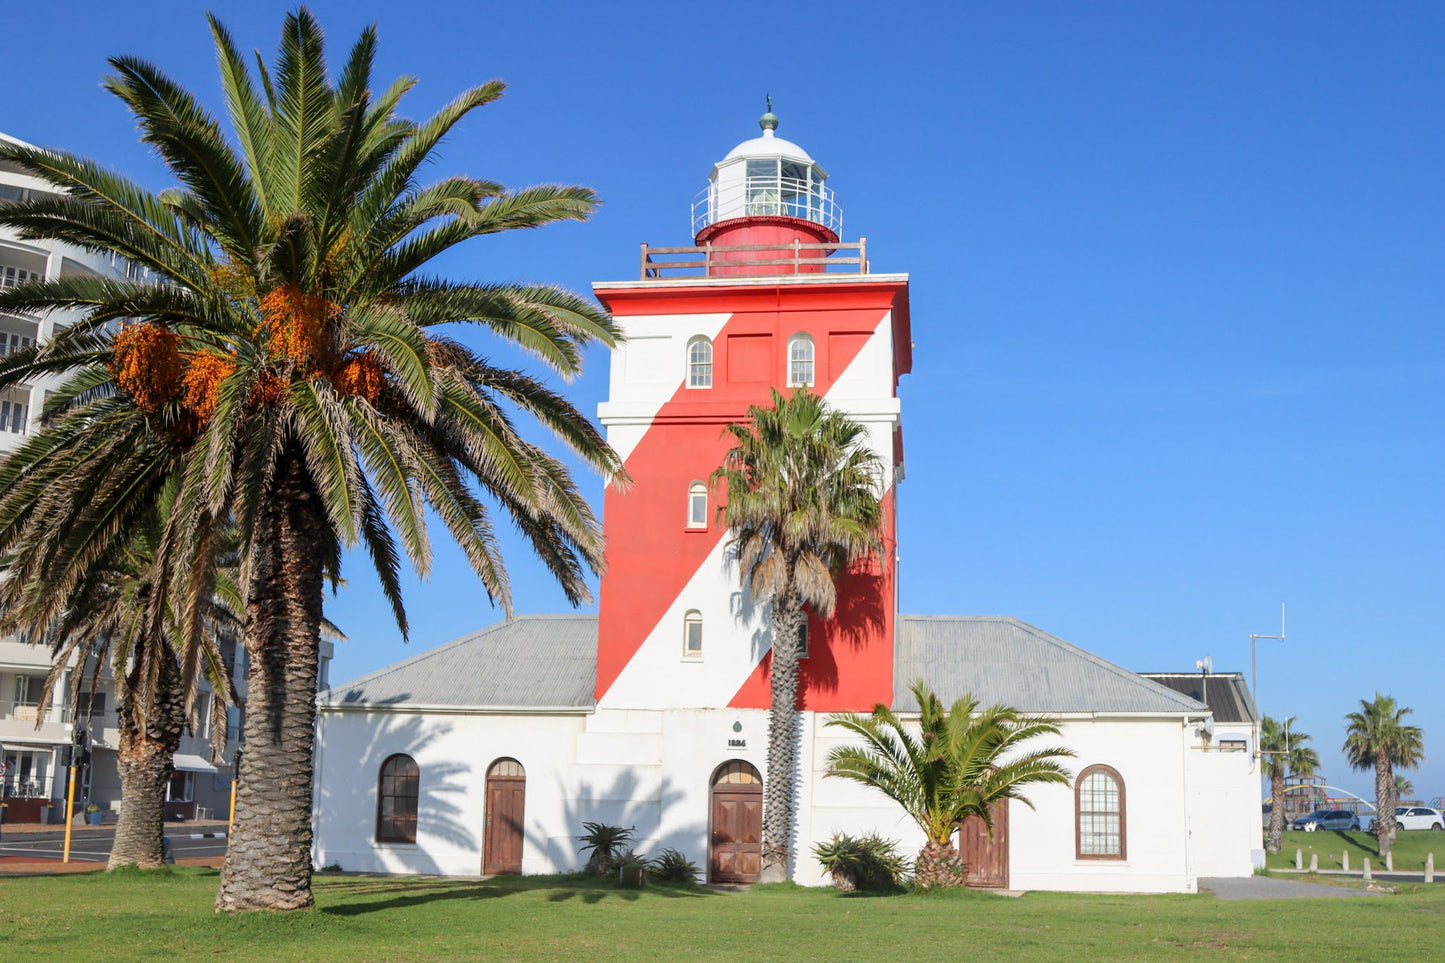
695 529
692 659
376 844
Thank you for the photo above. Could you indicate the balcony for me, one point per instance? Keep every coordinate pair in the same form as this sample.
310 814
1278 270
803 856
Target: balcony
784 258
18 722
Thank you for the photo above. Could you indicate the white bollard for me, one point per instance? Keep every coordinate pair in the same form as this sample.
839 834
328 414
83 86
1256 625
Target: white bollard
1429 867
1314 862
1345 861
1389 862
1368 875
1299 859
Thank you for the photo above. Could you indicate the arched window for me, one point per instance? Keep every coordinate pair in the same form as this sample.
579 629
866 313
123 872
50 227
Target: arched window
1099 815
697 505
736 773
396 800
692 635
699 363
800 360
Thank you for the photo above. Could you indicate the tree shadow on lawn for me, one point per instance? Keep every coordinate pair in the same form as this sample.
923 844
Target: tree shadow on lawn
357 892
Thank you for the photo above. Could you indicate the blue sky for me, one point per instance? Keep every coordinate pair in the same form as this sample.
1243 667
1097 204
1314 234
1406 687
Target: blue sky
1176 286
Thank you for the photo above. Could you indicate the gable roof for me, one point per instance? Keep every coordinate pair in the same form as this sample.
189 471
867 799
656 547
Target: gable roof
550 661
1224 692
533 661
1000 659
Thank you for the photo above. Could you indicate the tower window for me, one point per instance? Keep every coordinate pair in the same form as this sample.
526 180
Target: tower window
692 635
697 505
699 363
800 361
803 638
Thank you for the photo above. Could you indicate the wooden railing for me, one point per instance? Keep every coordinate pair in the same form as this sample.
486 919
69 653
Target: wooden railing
705 261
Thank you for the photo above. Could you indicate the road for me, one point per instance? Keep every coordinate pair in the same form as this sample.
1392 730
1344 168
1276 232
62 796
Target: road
93 844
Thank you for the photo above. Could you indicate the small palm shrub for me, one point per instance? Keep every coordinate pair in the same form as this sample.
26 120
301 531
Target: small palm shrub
862 862
631 867
605 843
671 866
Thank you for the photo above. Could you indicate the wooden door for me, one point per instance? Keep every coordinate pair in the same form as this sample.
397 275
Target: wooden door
985 860
736 851
502 846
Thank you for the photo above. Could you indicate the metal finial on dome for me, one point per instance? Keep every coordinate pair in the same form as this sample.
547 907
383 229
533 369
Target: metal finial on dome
769 121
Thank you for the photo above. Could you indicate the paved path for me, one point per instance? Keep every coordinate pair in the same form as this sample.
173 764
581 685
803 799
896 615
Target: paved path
1266 887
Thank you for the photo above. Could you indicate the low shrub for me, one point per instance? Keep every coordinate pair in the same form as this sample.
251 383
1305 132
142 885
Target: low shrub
631 868
862 862
605 843
671 866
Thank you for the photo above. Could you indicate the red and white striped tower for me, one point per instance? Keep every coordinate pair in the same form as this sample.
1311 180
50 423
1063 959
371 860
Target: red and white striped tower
769 296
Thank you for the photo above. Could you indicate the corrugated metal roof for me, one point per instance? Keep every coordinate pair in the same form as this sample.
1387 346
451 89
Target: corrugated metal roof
550 661
1002 660
1225 692
533 661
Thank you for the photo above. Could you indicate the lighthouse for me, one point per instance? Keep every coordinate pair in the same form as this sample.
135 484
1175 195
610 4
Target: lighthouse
651 715
768 295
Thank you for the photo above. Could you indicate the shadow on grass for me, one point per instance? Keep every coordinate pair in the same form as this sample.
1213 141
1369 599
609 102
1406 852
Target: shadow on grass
355 896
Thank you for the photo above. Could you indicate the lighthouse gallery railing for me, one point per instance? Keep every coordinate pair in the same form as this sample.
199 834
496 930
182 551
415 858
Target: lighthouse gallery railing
768 196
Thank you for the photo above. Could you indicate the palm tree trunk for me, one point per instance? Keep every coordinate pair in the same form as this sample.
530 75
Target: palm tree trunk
145 759
939 865
779 799
1277 812
1384 804
268 862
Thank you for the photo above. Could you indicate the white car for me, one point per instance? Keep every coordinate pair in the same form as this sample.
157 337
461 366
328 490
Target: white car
1418 817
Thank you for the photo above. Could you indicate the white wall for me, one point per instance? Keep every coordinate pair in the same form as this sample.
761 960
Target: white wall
453 752
652 770
1226 820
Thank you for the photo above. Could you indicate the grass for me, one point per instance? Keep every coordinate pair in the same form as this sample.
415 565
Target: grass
1409 851
168 913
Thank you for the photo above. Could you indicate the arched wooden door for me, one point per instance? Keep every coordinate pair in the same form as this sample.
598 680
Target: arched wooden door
506 804
735 847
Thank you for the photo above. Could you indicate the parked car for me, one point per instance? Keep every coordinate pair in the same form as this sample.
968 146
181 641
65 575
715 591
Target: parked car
1418 817
1328 819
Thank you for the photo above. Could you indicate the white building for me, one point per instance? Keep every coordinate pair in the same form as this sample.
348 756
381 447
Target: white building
487 754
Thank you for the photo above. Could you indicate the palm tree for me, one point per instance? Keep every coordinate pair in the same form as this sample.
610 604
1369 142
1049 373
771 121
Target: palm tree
284 366
156 670
962 760
803 505
1377 738
1283 749
1404 788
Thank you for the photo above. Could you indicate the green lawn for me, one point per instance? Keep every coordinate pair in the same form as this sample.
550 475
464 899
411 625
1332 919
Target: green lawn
1410 849
169 914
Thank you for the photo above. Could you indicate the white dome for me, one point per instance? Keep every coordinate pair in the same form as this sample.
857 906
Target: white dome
768 145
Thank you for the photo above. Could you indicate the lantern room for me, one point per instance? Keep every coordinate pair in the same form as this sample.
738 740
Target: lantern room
767 195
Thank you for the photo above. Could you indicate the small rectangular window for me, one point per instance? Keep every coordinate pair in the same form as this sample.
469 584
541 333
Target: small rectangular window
89 705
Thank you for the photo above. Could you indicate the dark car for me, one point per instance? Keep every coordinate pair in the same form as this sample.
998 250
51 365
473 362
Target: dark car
1328 819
